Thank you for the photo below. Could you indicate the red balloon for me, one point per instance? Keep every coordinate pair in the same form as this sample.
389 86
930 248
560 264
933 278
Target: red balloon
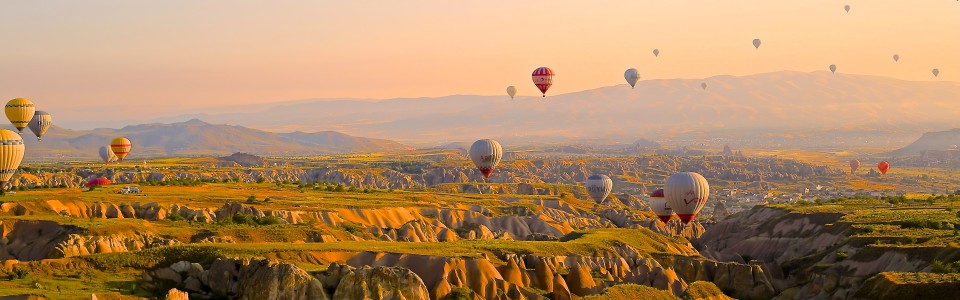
883 166
543 78
97 182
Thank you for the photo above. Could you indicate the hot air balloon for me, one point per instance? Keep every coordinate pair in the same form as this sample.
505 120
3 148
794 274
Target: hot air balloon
107 155
686 193
883 166
756 43
833 69
543 78
896 57
121 147
846 7
658 204
40 123
599 187
936 72
631 76
486 154
11 153
703 85
97 182
854 165
19 111
512 91
656 52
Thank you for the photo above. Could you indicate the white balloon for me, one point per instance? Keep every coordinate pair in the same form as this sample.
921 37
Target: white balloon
686 193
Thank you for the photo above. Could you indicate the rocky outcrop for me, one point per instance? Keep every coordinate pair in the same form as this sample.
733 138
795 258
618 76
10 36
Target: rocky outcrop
175 294
36 240
269 279
380 283
904 286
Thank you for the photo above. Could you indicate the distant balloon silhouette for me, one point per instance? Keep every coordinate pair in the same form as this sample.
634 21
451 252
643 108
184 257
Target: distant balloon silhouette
656 52
833 69
854 165
703 85
936 72
756 43
631 76
846 7
512 91
896 57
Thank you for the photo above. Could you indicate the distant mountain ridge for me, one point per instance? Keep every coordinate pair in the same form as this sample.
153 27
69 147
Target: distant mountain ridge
196 137
781 101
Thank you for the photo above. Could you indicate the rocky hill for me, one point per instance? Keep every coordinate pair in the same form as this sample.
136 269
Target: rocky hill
940 140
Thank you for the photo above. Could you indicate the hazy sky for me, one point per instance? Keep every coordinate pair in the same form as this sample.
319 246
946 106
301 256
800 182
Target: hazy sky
167 57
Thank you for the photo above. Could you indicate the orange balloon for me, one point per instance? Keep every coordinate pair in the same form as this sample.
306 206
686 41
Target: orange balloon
883 166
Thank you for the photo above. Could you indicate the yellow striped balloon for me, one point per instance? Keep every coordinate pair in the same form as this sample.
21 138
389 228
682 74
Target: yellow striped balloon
20 111
11 153
121 147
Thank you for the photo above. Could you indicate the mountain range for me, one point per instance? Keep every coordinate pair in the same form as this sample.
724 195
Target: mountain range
793 103
195 137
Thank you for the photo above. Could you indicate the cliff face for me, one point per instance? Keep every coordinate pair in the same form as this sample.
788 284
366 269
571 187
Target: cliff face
799 252
36 240
372 275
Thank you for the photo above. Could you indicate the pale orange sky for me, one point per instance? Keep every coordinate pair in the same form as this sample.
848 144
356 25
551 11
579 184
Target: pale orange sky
75 57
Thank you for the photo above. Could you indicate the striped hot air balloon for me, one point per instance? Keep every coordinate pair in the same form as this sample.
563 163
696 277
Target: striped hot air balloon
687 193
599 187
486 154
543 78
121 147
19 111
658 204
40 123
11 153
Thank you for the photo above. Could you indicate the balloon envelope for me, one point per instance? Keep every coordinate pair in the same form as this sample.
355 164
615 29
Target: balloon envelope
543 78
703 85
40 123
97 182
107 155
121 147
11 154
854 165
686 193
936 72
599 187
833 69
512 91
658 204
19 111
883 166
631 76
846 8
896 57
656 52
486 154
756 43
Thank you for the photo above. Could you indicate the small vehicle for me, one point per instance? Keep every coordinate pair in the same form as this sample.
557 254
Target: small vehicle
129 190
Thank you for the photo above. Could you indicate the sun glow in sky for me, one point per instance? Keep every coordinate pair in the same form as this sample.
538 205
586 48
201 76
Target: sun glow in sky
167 57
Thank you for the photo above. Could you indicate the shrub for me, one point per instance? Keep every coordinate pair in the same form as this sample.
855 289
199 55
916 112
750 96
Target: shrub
841 255
252 199
945 267
459 293
243 219
269 220
339 188
175 217
352 228
20 273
